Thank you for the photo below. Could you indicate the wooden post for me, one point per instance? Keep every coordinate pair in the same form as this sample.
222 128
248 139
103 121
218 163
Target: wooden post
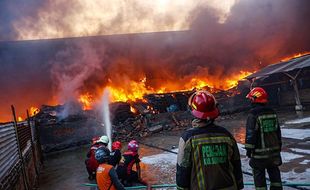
26 184
298 106
32 146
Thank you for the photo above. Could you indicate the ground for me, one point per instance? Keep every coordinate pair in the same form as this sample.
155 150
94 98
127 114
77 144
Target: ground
66 170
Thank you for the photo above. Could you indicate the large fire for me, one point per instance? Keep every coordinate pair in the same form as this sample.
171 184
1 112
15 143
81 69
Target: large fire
134 91
86 100
295 56
234 80
33 111
195 52
20 118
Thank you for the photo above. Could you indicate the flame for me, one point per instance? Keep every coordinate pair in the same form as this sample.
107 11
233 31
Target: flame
233 81
135 90
132 91
295 56
133 110
86 100
198 84
19 119
34 111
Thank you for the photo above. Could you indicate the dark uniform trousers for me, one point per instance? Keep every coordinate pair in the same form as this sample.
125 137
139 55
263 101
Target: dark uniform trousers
263 145
259 167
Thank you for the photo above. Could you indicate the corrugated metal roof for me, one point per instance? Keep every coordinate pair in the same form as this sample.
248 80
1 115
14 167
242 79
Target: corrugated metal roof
281 67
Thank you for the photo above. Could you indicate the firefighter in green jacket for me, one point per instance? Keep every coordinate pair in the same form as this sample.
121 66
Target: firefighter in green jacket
263 141
208 156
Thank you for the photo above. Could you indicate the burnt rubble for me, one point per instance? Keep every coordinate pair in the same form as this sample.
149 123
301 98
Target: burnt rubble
69 125
144 125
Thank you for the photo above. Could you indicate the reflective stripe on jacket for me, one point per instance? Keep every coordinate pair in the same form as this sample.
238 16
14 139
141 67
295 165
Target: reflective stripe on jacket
92 163
208 159
263 133
103 178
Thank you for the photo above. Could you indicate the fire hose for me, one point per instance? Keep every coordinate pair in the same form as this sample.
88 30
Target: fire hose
293 185
174 185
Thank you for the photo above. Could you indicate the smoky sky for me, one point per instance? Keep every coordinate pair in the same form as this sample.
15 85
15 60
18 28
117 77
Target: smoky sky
12 10
255 34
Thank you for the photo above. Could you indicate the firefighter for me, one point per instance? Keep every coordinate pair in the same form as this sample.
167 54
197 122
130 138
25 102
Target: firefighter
116 154
106 175
130 158
263 140
208 156
91 162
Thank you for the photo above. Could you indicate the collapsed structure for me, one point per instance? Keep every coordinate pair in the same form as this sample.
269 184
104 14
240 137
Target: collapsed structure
287 82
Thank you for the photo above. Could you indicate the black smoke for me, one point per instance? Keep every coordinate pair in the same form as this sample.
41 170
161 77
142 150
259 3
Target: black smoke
255 34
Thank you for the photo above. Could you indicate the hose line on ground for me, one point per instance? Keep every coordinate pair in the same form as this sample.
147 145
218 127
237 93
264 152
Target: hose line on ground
174 185
293 185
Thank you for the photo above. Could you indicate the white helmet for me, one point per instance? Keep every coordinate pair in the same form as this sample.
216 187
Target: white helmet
103 139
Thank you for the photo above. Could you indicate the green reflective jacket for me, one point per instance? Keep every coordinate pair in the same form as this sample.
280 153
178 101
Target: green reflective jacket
263 134
208 159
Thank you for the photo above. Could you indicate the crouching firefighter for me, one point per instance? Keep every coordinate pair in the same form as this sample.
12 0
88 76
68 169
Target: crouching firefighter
125 169
106 175
91 163
208 156
116 155
263 141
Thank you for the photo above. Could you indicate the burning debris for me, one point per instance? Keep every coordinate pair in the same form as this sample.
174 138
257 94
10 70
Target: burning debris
214 51
130 120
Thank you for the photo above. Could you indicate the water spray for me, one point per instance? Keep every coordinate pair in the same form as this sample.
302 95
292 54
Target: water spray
106 115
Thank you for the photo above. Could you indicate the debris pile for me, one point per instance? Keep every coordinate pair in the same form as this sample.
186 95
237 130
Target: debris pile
69 125
145 125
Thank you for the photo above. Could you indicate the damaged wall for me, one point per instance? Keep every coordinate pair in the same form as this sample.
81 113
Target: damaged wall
30 160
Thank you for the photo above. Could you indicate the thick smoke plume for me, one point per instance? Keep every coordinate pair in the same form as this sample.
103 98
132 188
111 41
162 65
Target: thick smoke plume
218 45
71 18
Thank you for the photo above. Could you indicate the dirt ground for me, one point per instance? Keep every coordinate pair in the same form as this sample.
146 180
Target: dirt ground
66 169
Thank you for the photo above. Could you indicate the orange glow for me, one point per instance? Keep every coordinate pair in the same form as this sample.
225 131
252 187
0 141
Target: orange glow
33 111
133 110
135 90
86 100
294 56
197 83
233 81
19 119
132 91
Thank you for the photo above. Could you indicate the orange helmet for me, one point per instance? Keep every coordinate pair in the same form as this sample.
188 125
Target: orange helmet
258 95
203 105
116 145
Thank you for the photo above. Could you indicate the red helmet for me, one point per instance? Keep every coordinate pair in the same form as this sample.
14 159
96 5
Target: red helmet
258 95
203 105
116 145
133 146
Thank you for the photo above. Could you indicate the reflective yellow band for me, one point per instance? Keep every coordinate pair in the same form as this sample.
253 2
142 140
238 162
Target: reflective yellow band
267 149
261 188
181 188
249 146
208 140
276 184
